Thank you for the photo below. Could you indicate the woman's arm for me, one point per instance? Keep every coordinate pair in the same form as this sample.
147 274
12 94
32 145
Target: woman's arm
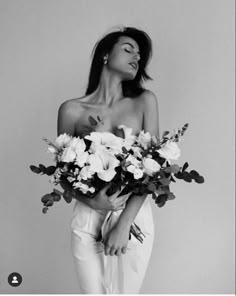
151 125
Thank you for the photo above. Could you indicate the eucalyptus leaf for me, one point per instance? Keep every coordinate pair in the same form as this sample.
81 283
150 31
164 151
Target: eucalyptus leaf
67 196
162 198
175 168
187 177
194 174
171 195
165 133
185 166
50 170
35 169
199 180
46 198
42 168
165 181
161 204
151 187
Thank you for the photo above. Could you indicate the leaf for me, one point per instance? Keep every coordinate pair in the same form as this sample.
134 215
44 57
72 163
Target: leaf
42 168
179 175
194 174
199 180
161 204
165 133
92 121
152 187
154 196
44 210
162 198
124 150
46 198
175 168
49 203
56 197
172 179
67 196
185 166
171 196
165 181
50 170
167 170
57 192
187 177
35 169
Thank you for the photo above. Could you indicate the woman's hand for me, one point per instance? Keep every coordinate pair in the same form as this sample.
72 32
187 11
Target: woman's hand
117 240
110 203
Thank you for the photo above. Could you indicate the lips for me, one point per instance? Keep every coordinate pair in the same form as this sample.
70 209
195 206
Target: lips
134 65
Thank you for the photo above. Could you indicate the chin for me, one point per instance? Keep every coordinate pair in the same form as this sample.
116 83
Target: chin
129 76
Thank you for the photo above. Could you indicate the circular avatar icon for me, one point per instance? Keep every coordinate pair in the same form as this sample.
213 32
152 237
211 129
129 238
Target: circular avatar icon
14 279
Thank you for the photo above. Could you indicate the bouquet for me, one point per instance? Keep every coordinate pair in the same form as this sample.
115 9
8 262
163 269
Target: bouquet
142 164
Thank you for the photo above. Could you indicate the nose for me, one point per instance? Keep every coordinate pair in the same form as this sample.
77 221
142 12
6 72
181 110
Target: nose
137 56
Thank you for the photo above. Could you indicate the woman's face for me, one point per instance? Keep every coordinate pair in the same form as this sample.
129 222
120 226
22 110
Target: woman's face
124 58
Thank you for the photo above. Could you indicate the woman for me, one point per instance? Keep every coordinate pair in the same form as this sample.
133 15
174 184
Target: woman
115 265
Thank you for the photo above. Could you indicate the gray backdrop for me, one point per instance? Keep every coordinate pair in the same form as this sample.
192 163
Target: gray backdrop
45 59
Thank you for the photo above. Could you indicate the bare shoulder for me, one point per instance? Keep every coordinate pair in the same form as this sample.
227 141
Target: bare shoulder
72 106
148 97
148 100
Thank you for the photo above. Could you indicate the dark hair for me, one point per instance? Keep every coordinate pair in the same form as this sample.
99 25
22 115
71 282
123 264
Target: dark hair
105 45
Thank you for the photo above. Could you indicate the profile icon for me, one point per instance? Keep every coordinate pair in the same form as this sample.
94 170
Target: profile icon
14 279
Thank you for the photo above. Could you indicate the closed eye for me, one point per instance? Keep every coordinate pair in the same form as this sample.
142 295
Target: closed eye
127 50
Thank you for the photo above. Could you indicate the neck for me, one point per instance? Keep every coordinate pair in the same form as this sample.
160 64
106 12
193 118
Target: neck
109 90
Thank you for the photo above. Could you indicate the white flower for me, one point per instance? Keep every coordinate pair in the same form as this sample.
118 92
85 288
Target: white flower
68 155
144 139
83 187
137 151
170 151
150 166
106 139
86 173
137 172
129 139
62 140
109 163
78 145
134 161
81 159
70 179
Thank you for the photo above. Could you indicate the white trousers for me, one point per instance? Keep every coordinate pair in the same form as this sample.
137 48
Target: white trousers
101 274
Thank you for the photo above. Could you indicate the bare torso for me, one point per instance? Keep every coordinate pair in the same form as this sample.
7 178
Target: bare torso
127 111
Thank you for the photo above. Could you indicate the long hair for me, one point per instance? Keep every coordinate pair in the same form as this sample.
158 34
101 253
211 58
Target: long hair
104 46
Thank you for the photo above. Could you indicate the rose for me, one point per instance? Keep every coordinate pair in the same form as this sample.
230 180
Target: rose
144 139
84 187
150 166
62 140
68 155
85 173
170 151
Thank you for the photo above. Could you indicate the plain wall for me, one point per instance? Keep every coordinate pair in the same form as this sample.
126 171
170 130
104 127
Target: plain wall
44 60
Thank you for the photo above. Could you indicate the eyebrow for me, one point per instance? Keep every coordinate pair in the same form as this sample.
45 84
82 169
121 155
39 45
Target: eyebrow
131 46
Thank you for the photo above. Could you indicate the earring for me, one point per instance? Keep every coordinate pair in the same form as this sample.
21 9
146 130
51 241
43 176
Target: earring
105 60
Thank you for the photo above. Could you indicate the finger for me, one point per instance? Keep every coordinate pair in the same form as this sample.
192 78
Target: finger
118 252
107 250
123 250
112 251
104 189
